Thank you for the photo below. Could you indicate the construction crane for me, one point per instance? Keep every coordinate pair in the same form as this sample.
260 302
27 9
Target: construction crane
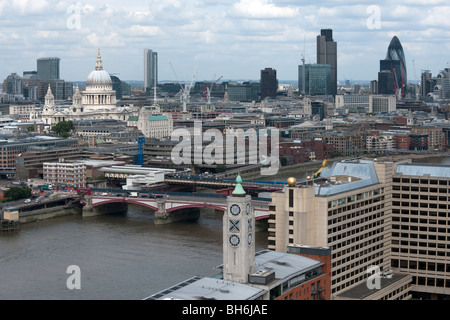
209 89
303 67
185 90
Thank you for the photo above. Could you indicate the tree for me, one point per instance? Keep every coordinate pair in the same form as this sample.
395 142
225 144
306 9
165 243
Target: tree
63 128
16 193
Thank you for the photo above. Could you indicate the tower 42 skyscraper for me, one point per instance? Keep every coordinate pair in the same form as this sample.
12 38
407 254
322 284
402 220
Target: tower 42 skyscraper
327 54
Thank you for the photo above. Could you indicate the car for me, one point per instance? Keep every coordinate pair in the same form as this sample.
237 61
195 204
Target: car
27 201
38 200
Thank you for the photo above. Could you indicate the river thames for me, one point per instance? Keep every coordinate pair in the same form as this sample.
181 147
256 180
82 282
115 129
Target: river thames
121 257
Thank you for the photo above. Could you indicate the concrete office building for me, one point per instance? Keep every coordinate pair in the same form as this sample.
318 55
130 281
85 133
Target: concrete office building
420 226
347 208
382 103
426 84
352 102
327 54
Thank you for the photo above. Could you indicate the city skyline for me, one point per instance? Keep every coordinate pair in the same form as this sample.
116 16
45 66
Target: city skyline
235 39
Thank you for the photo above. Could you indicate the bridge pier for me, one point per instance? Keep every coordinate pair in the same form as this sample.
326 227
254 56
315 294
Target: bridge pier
164 217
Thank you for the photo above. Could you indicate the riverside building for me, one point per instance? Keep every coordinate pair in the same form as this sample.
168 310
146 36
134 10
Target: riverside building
420 226
348 208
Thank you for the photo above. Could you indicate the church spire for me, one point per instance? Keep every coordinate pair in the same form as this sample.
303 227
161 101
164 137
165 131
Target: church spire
98 65
49 98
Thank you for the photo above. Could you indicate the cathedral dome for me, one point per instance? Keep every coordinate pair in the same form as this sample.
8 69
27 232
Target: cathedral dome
99 76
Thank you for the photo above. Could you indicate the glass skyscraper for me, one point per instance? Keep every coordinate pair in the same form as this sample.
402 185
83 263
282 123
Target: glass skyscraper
395 64
48 68
150 69
316 78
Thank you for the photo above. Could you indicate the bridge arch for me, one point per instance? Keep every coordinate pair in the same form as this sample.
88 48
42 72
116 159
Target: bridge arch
197 206
128 201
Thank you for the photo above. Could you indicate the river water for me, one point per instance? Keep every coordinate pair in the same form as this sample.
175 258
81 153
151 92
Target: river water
122 256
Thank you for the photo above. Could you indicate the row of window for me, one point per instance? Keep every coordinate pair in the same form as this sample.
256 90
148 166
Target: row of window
429 229
419 189
405 212
356 205
421 197
353 198
415 251
431 282
365 215
356 227
420 205
420 181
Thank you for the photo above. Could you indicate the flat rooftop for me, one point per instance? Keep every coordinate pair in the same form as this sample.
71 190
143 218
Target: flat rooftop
204 288
285 265
417 169
362 291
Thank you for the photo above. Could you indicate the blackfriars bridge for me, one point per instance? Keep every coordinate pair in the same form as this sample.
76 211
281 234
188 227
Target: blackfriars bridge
167 208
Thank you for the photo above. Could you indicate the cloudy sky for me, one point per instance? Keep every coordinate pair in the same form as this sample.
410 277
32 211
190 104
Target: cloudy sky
212 38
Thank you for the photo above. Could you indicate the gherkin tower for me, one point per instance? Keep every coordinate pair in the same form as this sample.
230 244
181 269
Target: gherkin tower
395 64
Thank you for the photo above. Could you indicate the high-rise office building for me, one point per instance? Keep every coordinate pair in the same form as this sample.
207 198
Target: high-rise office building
327 54
269 83
316 79
420 225
374 86
425 83
393 70
48 68
346 208
150 69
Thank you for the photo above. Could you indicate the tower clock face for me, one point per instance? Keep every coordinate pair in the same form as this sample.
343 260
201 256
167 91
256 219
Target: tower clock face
247 208
234 240
235 209
250 238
